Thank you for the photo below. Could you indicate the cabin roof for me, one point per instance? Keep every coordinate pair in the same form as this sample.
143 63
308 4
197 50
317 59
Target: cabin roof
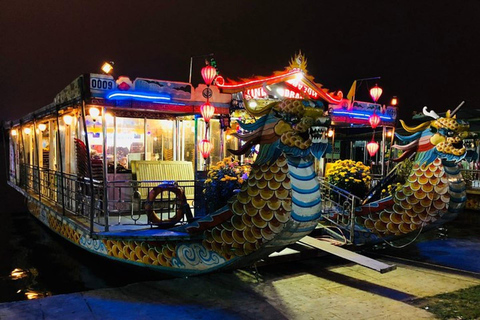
149 95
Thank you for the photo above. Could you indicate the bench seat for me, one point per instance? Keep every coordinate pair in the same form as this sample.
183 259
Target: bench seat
181 171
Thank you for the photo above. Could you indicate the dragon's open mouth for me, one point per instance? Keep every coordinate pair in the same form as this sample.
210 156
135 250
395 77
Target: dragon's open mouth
452 146
457 145
318 134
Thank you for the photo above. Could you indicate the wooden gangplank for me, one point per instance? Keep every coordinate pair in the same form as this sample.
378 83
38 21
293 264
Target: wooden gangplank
347 254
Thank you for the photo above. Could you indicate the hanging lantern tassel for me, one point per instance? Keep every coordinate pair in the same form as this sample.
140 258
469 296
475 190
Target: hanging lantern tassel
205 147
374 120
372 147
207 111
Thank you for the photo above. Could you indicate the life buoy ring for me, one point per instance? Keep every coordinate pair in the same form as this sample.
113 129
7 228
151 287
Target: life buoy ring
180 199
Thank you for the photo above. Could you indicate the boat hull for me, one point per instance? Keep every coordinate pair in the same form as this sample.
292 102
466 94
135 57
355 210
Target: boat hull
175 253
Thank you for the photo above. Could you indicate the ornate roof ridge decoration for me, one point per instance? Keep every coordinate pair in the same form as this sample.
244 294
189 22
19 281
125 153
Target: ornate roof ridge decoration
296 71
299 61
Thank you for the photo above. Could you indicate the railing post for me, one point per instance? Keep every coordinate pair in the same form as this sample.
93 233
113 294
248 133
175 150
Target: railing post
105 165
59 143
352 220
89 166
23 177
37 153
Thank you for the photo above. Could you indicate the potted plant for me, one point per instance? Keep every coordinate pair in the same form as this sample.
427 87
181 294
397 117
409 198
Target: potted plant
224 179
350 176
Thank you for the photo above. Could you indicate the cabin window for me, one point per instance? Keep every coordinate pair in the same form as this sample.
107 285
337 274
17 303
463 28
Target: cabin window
14 156
217 141
130 141
27 137
200 136
52 128
111 136
186 140
95 136
160 143
67 135
43 138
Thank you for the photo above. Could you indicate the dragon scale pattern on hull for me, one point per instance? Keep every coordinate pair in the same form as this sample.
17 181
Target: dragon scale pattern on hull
280 201
425 198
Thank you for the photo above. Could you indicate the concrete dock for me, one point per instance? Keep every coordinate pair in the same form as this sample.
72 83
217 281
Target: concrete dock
296 290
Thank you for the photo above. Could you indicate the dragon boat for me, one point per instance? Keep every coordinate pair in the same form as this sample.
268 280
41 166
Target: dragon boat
433 193
119 168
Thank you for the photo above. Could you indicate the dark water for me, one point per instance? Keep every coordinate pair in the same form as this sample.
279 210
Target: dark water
35 262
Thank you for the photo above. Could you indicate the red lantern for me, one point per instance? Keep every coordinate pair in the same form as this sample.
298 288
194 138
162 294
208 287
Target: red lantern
207 111
375 93
205 147
372 147
374 120
209 73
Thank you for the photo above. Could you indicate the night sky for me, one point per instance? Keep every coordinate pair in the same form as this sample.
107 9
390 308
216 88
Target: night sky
427 52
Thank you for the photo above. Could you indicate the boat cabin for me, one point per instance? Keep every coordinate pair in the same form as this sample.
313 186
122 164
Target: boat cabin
104 143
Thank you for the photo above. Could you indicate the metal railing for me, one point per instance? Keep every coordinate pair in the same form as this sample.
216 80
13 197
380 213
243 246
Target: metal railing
78 196
127 205
70 192
472 178
338 207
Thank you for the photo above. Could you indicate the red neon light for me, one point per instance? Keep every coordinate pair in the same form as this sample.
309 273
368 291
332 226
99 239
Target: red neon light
259 93
255 93
290 94
219 81
258 81
299 86
288 77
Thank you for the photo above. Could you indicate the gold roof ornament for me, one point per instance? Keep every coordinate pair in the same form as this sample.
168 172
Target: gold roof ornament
299 61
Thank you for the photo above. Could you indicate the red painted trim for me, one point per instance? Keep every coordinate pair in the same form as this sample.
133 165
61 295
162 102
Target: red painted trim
425 147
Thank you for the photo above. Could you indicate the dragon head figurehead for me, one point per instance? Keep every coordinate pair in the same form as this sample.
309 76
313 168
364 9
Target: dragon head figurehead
289 126
439 138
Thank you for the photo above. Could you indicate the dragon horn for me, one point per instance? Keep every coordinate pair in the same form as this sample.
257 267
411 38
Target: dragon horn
430 113
420 127
457 108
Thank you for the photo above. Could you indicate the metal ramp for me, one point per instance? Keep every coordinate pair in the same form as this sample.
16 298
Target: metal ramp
347 254
338 224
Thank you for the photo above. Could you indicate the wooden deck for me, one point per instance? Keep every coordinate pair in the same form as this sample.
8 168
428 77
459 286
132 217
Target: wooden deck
120 226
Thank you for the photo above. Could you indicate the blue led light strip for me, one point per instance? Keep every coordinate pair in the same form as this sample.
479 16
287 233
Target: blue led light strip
359 115
121 95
